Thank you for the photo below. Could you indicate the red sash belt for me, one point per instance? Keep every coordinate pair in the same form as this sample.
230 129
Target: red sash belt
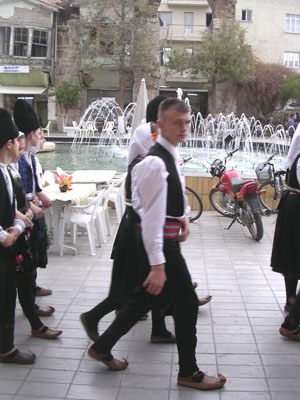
171 229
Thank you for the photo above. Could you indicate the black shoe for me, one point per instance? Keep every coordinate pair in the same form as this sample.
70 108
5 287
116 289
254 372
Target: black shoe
19 357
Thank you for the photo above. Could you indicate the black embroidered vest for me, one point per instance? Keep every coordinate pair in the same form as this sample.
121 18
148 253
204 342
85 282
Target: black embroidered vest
175 202
291 175
7 210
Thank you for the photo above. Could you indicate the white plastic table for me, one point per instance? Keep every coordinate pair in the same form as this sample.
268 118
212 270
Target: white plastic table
101 176
59 199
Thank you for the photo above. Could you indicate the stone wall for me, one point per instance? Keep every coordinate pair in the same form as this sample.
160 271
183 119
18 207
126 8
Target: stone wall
153 78
222 8
226 98
68 58
226 92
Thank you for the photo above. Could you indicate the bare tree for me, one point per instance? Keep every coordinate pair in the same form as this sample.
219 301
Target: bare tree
262 92
118 36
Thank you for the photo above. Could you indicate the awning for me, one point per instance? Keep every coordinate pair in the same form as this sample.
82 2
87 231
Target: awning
22 89
169 89
33 79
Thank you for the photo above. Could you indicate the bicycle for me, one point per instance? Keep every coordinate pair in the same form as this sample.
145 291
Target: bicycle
272 183
194 199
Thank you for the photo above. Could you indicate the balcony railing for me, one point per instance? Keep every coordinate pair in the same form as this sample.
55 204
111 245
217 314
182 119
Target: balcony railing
195 3
182 32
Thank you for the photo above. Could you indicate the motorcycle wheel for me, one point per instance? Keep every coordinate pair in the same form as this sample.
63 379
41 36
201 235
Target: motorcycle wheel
253 222
221 202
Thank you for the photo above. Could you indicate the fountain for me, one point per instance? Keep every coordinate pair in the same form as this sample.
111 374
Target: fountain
105 125
105 121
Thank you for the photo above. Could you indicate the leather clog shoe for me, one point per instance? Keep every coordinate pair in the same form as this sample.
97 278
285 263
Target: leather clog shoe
92 334
19 357
204 300
45 311
293 335
39 291
112 363
202 381
46 333
161 339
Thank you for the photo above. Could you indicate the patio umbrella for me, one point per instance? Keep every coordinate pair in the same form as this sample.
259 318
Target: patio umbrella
141 105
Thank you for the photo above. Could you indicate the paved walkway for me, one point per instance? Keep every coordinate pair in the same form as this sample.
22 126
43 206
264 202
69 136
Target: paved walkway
237 332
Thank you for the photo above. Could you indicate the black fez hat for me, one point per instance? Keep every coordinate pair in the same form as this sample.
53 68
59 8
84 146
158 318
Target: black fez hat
25 117
152 108
8 129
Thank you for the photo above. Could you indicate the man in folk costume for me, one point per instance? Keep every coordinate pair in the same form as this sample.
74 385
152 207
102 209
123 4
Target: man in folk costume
285 258
27 122
10 229
159 200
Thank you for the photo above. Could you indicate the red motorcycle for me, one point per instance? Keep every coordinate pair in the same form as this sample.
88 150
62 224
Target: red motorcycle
236 198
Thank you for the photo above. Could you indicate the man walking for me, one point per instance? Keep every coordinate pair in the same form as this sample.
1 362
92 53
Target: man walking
158 198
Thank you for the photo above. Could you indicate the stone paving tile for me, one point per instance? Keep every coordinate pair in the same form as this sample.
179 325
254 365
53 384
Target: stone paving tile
89 392
237 332
44 389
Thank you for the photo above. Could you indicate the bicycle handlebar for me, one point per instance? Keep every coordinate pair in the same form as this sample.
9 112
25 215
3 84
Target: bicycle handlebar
270 158
185 160
234 151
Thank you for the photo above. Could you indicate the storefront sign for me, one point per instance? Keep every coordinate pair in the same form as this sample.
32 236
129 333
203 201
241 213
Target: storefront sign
14 69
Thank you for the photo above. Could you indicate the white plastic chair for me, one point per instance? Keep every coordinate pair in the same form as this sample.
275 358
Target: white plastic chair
61 172
49 177
103 210
86 216
47 128
117 197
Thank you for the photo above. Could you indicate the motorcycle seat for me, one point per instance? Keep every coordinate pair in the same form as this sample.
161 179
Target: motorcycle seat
237 183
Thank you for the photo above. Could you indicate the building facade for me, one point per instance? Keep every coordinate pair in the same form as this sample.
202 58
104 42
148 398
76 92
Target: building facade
272 30
28 53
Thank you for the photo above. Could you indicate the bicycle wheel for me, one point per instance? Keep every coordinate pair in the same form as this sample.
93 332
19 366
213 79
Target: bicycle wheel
222 203
253 222
271 199
195 203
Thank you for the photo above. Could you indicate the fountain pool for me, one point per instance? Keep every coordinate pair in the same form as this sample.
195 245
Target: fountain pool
114 157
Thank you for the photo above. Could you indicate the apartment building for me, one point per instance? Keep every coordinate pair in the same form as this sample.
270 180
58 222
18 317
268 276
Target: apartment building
27 53
182 23
272 29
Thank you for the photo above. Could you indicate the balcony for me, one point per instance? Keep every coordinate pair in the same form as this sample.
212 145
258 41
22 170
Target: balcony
188 3
182 32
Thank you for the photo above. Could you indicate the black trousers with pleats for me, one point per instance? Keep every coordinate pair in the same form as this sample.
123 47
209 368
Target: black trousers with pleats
178 290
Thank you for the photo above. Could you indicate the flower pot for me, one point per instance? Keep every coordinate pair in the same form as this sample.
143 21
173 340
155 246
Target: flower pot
63 188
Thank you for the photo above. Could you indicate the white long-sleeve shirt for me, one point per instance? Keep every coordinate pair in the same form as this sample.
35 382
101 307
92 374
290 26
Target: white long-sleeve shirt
149 199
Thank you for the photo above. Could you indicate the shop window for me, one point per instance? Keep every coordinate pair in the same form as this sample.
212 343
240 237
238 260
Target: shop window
4 41
21 42
292 23
39 44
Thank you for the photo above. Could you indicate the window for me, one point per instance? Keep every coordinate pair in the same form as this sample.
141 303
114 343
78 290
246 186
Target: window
189 51
4 41
165 18
188 23
208 19
39 44
292 23
21 42
247 15
164 55
292 60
